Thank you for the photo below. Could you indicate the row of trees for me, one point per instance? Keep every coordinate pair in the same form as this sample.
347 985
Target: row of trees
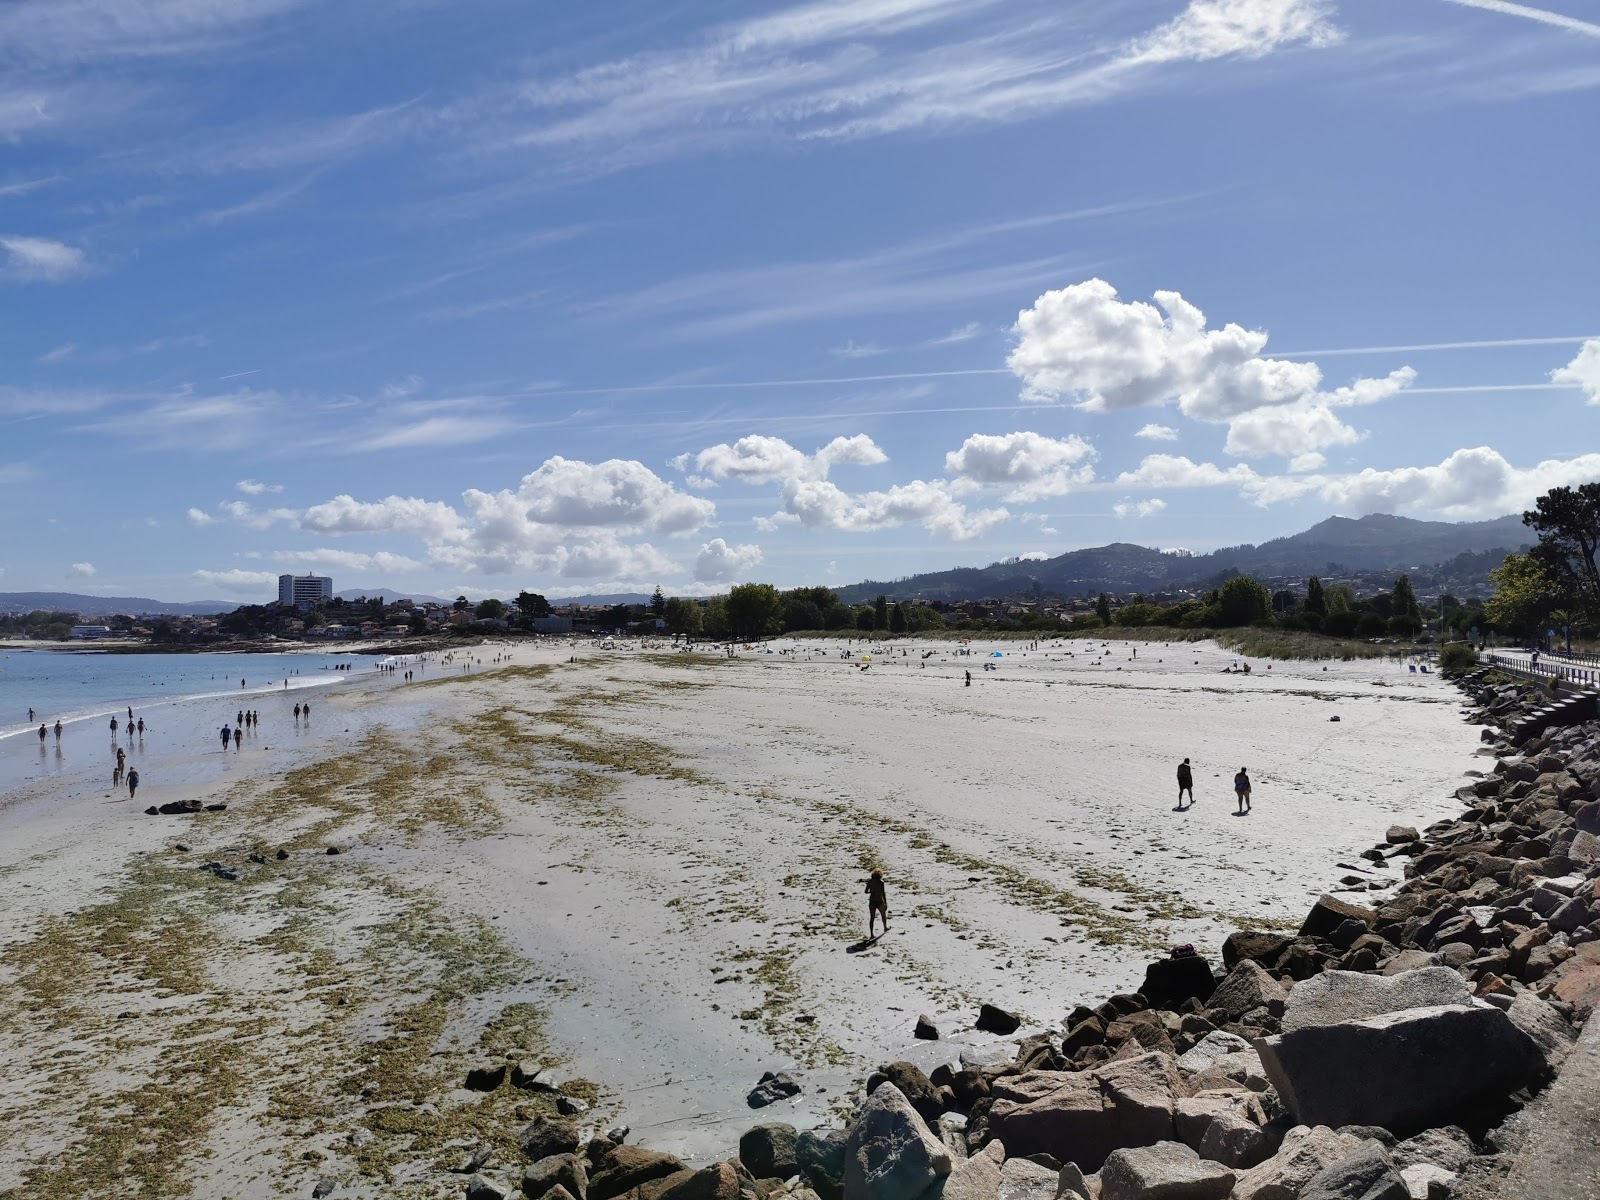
1557 583
753 610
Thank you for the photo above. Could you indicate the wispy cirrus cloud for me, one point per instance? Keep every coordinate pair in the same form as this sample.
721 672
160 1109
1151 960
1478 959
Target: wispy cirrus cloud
41 260
845 70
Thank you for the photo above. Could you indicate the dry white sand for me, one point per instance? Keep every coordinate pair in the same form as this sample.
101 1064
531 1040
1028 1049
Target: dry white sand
677 845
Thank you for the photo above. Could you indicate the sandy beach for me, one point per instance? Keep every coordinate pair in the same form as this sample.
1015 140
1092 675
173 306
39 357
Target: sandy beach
645 868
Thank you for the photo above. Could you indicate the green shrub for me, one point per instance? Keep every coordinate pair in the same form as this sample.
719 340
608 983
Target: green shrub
1457 656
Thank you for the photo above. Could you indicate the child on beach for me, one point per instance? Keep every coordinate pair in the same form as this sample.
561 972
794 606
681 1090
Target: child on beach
877 902
1241 789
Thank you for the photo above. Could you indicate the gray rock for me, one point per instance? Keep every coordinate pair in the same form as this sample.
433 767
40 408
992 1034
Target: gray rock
1203 1055
820 1155
890 1153
1021 1179
1405 1071
952 1131
1071 1184
978 1177
915 1087
1559 1159
1547 1028
1366 1174
1248 986
1305 1152
1234 1140
768 1151
470 1165
1351 996
1424 1181
975 1058
571 1106
1447 1146
545 1136
1164 1171
1407 960
482 1188
774 1086
568 1171
997 1020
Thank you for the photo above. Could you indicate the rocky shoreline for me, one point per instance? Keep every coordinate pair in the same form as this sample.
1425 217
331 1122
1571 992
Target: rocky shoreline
1409 1051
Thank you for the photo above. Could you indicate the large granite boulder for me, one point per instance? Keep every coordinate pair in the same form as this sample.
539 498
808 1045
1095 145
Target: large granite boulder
768 1151
1403 1070
1082 1116
890 1153
719 1181
568 1171
622 1168
1329 912
1169 982
1165 1171
1247 987
1335 996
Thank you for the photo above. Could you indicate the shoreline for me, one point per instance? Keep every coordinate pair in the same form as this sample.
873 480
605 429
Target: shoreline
553 786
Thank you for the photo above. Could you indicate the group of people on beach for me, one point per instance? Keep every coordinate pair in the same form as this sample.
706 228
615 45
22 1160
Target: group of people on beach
1241 788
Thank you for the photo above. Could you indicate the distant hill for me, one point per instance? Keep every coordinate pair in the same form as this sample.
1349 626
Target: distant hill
109 606
1336 546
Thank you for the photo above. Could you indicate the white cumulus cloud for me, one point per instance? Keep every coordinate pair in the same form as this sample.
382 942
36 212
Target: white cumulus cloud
1138 508
719 562
82 570
430 520
1030 464
1157 433
759 459
1083 344
1583 371
254 487
819 504
199 516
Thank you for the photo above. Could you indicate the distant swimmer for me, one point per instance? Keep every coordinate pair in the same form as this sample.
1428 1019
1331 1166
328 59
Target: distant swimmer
877 902
30 716
1241 789
133 783
1185 782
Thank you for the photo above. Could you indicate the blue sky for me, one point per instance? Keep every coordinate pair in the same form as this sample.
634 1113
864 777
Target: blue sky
473 296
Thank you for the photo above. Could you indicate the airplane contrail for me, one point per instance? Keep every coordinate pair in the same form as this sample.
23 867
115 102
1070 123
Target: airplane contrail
1542 15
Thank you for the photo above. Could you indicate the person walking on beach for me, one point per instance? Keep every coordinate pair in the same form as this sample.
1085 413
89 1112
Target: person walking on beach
227 736
133 783
41 732
141 729
1185 782
877 902
238 737
113 729
58 731
1241 789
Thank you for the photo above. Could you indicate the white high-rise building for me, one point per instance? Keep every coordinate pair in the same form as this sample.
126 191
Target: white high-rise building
304 591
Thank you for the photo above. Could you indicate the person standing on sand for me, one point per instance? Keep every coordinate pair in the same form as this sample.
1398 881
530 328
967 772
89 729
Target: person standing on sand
113 729
133 783
41 732
1241 789
1185 782
58 731
227 736
877 902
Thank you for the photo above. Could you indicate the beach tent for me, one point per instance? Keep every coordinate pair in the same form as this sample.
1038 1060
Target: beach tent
995 654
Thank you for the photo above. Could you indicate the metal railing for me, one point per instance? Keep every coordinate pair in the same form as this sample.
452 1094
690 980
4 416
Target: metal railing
1539 672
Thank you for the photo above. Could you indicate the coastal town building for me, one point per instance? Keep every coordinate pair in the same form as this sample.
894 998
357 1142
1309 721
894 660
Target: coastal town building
304 592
